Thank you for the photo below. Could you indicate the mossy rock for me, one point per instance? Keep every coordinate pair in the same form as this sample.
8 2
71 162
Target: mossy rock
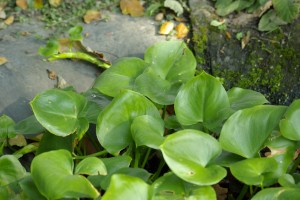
269 63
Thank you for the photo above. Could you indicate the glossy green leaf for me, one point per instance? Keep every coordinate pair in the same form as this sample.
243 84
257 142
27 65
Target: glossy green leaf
91 166
6 127
52 172
170 187
253 171
59 111
171 64
75 33
50 49
277 194
114 122
287 180
11 170
51 142
202 99
226 159
115 163
30 189
270 21
290 126
134 172
147 130
189 152
29 125
243 98
126 187
121 75
96 102
246 131
286 10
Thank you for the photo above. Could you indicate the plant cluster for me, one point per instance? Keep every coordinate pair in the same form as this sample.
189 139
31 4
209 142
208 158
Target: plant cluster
162 132
272 13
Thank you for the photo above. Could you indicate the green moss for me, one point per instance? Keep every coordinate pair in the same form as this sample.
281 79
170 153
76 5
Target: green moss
200 43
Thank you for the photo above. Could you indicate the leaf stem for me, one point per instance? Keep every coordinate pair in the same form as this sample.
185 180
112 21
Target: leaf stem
158 171
243 192
146 157
137 158
295 165
81 56
100 153
164 112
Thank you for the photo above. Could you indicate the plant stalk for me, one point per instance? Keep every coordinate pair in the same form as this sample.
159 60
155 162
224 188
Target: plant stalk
158 171
146 157
137 158
243 192
100 153
295 165
81 56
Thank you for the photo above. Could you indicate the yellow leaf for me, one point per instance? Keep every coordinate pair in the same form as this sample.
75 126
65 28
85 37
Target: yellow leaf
181 30
3 60
22 4
38 4
19 141
9 20
91 15
54 3
132 7
245 40
166 28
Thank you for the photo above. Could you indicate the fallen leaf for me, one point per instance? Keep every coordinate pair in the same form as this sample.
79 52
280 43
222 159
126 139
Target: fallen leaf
51 74
91 15
24 33
181 30
38 4
228 35
245 40
180 19
61 82
2 14
9 20
19 141
54 3
166 28
22 4
3 60
159 17
132 7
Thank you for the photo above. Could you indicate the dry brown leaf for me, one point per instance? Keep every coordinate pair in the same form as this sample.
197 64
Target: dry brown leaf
61 82
181 30
9 20
54 3
228 35
22 4
245 40
51 74
91 15
3 60
221 192
159 17
132 7
166 28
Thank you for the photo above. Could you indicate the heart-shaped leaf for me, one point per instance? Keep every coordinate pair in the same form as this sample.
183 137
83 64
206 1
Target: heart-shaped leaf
189 152
246 131
75 33
50 49
91 166
114 122
121 75
29 125
59 111
147 130
6 127
253 171
290 126
52 172
11 170
270 21
126 187
202 99
280 193
243 98
170 65
169 187
286 10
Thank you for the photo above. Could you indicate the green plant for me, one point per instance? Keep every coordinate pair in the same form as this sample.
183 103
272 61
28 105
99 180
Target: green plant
161 133
273 13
